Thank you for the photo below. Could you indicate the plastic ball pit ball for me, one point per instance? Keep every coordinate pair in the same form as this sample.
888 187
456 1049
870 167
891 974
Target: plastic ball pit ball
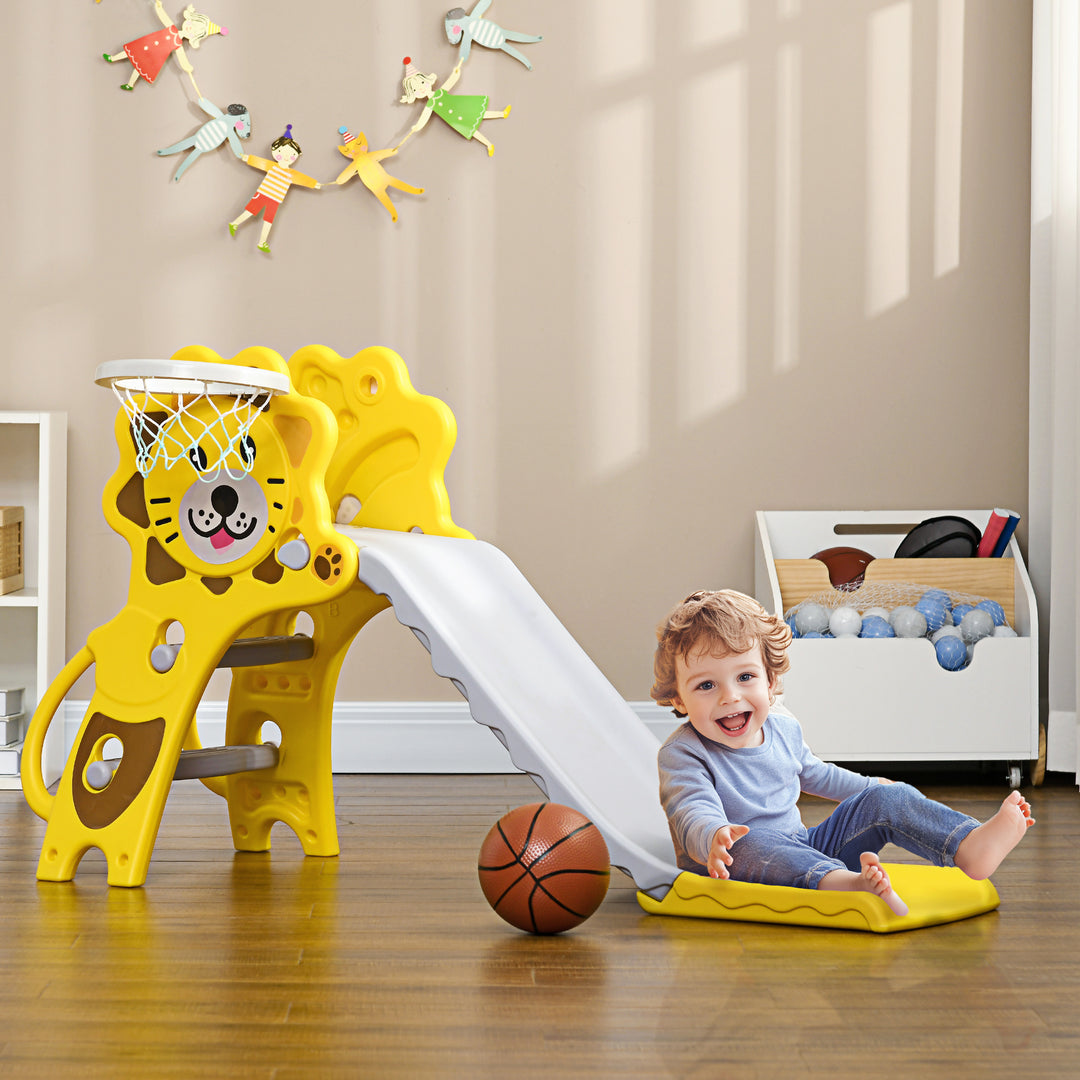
845 622
811 618
951 652
994 610
544 868
934 611
907 622
976 625
876 627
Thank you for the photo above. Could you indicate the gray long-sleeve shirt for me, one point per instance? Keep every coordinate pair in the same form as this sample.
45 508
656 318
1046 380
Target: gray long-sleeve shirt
705 786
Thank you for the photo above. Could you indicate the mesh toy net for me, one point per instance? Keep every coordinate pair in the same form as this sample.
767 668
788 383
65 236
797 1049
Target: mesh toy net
890 595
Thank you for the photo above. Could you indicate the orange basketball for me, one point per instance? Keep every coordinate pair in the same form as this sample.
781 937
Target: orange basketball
846 565
544 868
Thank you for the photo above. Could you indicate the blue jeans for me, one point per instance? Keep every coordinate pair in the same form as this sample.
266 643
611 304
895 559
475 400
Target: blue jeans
882 814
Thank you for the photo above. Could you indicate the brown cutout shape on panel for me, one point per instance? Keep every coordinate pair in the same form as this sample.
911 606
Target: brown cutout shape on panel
131 502
161 567
141 742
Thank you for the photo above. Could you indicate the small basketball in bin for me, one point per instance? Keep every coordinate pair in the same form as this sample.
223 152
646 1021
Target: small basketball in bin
544 868
944 537
846 565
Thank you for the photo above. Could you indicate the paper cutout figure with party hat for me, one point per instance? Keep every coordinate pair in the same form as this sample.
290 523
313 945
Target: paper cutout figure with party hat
367 165
463 112
270 194
148 54
463 28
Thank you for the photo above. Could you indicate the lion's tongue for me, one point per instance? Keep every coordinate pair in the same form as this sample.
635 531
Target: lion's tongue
220 539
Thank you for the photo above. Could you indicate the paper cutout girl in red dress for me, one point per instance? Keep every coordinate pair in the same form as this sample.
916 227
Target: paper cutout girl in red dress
148 54
463 112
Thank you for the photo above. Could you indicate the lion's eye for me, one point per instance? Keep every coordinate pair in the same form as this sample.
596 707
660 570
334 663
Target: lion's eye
247 450
198 458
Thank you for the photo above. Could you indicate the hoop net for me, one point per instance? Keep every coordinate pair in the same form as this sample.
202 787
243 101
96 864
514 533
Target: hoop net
172 427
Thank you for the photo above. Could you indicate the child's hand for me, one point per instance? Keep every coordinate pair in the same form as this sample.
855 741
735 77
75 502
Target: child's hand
719 858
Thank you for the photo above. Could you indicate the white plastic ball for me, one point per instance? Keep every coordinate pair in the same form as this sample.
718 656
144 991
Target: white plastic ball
845 622
976 625
907 622
880 612
811 618
945 631
1003 631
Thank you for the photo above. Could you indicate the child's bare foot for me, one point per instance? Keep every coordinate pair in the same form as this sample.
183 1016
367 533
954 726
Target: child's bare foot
984 849
872 879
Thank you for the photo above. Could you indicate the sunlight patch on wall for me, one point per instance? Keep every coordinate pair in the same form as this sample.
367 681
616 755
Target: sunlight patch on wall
788 164
888 163
712 292
615 287
948 135
620 38
709 23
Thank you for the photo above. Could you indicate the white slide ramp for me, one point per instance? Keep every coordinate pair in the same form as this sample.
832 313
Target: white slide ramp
525 677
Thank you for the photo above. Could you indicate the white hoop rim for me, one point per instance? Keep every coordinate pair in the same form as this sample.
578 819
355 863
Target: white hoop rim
189 377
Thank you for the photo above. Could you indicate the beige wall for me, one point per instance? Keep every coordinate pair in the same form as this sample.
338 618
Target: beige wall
727 256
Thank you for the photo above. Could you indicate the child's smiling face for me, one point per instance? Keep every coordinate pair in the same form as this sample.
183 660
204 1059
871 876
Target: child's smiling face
285 155
725 698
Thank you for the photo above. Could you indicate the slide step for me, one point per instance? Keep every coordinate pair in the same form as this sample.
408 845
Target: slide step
198 764
245 652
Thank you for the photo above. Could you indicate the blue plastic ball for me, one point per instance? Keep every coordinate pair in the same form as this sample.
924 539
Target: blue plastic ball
874 626
951 652
994 610
938 595
934 611
960 611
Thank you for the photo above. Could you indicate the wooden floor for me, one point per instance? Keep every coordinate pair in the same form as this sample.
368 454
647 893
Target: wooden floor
387 962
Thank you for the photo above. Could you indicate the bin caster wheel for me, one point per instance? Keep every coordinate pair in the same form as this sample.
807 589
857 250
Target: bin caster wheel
1015 776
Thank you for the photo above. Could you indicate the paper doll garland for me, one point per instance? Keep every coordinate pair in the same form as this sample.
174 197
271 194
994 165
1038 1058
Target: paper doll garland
149 54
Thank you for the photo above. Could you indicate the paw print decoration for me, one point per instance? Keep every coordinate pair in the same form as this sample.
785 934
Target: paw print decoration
326 565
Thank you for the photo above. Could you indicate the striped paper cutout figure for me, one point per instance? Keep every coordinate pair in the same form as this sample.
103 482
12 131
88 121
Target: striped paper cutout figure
467 27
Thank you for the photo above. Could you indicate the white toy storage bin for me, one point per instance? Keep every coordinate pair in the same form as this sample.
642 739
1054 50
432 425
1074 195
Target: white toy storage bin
889 699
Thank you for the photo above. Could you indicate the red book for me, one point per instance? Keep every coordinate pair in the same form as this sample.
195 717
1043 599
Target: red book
992 532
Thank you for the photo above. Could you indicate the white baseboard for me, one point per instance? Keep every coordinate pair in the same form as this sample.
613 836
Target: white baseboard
1062 750
396 736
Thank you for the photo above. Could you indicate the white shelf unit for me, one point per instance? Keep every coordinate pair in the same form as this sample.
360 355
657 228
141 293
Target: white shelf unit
33 474
889 700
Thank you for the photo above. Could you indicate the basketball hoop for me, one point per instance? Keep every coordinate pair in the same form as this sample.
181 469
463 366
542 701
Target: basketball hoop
193 411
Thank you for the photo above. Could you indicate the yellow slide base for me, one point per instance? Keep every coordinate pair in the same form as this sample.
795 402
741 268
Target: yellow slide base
933 894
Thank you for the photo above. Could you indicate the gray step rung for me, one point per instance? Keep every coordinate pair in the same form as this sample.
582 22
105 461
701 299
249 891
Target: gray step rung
245 652
199 764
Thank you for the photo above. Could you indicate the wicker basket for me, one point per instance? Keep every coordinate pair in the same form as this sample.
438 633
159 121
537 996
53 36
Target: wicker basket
11 549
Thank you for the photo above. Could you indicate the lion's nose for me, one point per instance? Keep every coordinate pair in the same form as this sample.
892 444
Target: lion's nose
224 499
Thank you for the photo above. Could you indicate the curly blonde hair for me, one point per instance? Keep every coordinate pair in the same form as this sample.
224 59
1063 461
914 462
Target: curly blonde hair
724 622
